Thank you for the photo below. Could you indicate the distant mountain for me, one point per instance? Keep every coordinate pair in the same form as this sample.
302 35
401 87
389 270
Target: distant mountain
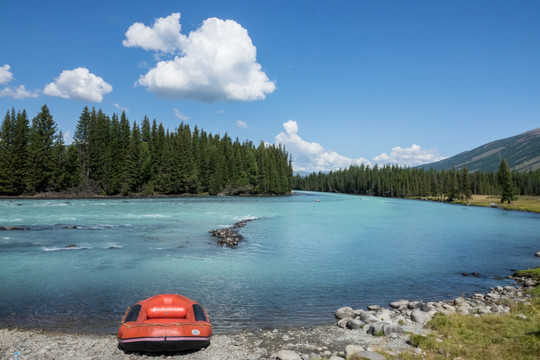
522 152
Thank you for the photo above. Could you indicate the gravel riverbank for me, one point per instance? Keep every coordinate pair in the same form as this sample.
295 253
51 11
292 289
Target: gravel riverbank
374 330
325 340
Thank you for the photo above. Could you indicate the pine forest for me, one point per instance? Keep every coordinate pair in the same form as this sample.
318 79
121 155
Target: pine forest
405 182
111 156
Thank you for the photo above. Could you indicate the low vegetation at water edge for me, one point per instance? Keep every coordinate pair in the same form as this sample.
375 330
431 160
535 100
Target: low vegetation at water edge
495 337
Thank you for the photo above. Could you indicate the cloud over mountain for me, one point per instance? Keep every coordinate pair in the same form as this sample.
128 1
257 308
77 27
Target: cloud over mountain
79 84
411 156
215 62
311 156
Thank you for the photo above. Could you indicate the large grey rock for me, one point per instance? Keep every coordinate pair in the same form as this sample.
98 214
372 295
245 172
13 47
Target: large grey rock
390 329
537 254
343 322
288 355
493 296
350 350
355 324
399 303
384 315
314 356
420 316
374 307
345 312
370 355
415 305
376 328
368 318
459 301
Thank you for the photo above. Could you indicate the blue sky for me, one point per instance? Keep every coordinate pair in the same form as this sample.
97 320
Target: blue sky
337 82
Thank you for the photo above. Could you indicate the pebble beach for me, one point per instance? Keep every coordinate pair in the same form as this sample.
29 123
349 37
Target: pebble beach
371 331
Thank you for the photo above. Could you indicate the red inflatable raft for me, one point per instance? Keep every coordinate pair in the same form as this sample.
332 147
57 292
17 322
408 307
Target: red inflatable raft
165 323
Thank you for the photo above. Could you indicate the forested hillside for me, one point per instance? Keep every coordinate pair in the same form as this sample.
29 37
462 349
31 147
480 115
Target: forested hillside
111 156
522 152
394 181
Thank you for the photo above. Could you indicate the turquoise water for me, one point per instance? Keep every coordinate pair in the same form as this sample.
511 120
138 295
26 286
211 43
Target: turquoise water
299 261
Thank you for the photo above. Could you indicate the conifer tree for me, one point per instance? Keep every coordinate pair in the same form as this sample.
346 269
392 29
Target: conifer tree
41 151
6 155
504 177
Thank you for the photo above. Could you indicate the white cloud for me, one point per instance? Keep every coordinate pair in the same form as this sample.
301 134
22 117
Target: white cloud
18 93
121 108
180 115
241 124
163 36
216 62
411 156
68 139
5 74
220 112
311 156
78 84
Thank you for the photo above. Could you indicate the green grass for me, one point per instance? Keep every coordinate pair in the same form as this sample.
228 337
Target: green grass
493 337
522 203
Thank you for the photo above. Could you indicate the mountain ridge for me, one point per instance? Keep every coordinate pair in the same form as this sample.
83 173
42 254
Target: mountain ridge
522 152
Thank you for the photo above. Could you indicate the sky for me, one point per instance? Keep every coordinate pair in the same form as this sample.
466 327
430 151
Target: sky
336 82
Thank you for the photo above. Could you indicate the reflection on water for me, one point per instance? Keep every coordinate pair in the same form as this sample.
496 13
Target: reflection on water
81 263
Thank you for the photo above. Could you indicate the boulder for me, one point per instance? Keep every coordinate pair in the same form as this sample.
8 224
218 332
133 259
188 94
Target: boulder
376 329
314 356
420 316
350 350
459 301
537 254
368 318
370 355
390 329
355 324
399 303
374 307
345 312
288 355
343 322
384 315
415 305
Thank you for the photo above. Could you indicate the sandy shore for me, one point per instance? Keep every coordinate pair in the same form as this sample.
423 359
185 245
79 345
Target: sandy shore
324 340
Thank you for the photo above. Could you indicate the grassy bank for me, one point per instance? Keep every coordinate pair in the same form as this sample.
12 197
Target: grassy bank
522 203
495 337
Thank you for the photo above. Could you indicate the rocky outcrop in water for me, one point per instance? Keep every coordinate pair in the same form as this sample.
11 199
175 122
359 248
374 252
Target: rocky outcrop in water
230 236
11 228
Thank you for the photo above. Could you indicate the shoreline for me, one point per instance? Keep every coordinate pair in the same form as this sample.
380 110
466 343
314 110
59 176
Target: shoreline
336 340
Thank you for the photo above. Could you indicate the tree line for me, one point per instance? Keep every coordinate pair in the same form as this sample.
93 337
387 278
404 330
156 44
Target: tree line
406 182
110 155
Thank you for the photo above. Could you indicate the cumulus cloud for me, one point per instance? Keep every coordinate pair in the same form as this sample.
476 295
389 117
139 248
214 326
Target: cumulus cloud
163 36
68 139
241 124
79 84
179 115
19 92
311 156
5 74
411 156
216 62
121 108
